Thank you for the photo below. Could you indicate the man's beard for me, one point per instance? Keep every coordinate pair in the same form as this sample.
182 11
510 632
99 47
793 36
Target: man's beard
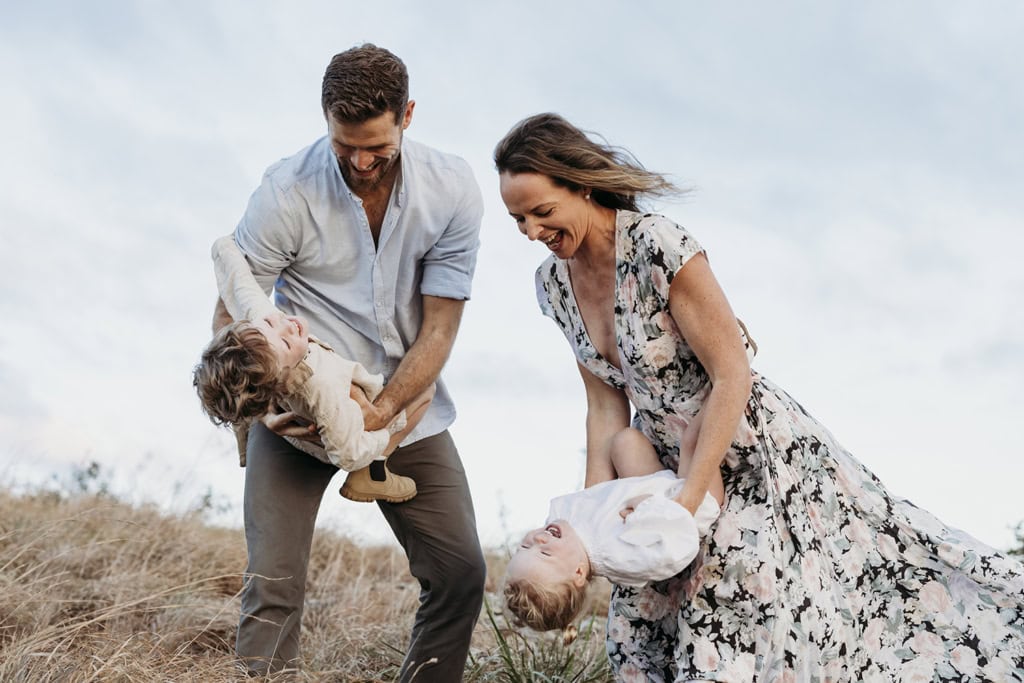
366 182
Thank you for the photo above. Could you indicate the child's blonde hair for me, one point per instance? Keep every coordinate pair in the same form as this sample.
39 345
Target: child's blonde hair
238 377
544 608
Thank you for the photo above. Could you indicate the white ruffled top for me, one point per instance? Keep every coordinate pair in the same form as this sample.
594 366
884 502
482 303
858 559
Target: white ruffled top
656 541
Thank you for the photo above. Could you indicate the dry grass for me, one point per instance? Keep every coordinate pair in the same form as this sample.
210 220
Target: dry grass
95 590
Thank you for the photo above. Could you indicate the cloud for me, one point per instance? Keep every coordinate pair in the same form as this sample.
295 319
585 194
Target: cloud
16 401
858 176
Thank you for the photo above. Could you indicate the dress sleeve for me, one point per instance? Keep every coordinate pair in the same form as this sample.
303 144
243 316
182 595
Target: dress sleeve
668 247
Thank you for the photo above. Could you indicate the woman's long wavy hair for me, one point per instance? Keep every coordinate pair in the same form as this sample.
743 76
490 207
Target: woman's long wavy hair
550 145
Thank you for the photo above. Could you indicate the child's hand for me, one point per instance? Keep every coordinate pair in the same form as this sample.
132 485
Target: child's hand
291 424
373 417
630 505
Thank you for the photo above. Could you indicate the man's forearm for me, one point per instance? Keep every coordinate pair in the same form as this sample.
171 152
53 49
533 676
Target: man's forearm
420 368
422 363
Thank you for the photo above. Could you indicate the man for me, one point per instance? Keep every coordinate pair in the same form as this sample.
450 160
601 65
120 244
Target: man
373 239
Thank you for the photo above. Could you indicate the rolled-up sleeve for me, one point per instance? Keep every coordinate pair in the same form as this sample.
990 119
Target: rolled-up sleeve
268 235
448 266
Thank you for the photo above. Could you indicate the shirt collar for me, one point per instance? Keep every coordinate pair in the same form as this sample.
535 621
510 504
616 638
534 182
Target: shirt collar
403 173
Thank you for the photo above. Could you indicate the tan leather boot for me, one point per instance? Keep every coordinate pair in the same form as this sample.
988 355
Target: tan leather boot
377 482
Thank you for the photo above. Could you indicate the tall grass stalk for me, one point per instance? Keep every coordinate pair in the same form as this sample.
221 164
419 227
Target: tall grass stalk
92 589
529 657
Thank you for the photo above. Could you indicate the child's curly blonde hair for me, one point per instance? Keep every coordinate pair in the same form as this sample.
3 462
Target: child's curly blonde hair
238 377
544 608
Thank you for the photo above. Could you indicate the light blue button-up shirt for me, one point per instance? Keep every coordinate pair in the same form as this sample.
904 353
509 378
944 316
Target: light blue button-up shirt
306 236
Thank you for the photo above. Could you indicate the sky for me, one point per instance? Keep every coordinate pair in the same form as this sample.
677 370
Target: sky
856 172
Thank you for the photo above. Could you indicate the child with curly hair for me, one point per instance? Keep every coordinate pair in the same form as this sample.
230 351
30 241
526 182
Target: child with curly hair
265 360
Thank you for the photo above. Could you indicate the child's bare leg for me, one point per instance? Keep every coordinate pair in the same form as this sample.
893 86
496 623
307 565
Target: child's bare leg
414 412
633 455
376 481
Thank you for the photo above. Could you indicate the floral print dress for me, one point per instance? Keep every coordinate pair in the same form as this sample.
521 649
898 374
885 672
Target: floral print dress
814 572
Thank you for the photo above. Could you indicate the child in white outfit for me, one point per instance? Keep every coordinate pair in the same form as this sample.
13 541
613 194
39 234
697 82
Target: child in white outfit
629 530
265 358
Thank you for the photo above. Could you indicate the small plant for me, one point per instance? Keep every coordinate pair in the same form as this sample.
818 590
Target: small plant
90 479
544 657
210 503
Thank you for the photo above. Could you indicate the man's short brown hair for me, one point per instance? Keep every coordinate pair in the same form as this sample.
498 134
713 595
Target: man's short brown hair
364 82
238 376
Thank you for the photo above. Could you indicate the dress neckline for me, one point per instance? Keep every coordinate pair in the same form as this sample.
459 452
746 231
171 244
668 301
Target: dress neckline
587 347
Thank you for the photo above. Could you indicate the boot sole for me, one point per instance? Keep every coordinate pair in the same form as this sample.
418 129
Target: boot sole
367 498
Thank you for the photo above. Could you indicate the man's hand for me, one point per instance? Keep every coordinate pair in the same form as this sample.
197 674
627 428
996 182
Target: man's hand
292 424
374 418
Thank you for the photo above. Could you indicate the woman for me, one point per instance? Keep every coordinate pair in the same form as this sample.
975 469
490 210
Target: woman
814 572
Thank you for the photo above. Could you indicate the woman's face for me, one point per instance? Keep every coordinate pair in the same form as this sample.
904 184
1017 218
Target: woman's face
546 212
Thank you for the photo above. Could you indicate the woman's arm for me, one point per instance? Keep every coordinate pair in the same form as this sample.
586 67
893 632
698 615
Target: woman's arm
687 447
607 415
700 310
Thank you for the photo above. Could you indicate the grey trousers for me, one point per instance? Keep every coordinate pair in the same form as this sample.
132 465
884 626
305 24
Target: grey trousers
437 530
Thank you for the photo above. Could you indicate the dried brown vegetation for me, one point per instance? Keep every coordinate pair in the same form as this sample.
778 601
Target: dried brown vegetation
92 589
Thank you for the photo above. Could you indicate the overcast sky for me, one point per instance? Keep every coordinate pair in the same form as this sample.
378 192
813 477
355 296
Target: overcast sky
859 186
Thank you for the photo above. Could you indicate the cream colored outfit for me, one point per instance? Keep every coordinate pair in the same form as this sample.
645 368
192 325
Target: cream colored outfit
318 387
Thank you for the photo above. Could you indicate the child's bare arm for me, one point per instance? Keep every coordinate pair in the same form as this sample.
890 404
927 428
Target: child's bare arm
292 424
414 412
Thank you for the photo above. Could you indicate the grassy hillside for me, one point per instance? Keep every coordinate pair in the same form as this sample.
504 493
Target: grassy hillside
92 589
